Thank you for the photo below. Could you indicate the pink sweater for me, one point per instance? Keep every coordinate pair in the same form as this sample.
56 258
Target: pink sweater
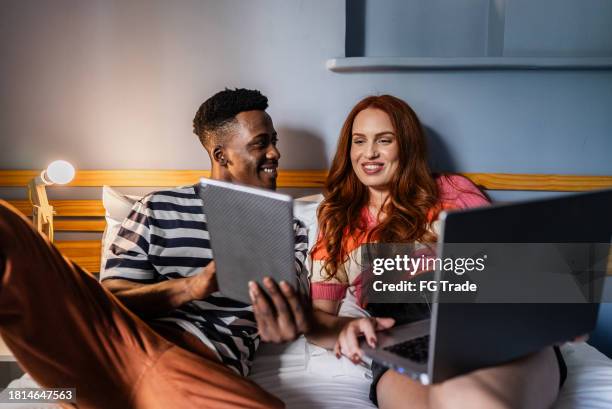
456 192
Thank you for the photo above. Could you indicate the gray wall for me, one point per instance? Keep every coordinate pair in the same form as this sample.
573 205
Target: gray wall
472 28
558 28
431 28
114 84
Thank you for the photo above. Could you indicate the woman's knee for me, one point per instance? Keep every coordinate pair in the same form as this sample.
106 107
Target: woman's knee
466 395
527 383
399 391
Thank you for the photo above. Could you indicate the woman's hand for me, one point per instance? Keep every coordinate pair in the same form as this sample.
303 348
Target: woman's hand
348 340
581 338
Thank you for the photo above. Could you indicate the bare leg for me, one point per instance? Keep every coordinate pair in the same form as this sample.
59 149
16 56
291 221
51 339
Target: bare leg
527 383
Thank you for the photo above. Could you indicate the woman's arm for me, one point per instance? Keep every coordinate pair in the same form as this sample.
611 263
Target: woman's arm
327 324
341 334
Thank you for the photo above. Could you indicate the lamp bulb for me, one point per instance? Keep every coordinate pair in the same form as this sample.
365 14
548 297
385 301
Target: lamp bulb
60 172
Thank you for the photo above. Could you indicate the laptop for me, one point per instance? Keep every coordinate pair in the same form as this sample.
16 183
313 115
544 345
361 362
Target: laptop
460 337
251 235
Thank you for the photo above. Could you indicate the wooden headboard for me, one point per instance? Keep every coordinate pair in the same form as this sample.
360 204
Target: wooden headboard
88 215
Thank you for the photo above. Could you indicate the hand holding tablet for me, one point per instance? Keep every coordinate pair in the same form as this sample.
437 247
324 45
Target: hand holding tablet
251 236
252 239
282 316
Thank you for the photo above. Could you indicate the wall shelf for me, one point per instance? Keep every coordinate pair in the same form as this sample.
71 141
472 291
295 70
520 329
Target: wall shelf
378 64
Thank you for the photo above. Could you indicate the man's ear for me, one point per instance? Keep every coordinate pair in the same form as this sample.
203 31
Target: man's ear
218 154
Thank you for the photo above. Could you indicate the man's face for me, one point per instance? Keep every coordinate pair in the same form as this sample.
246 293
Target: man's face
250 150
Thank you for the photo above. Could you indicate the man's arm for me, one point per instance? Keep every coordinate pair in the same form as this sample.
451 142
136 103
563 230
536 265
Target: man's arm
159 298
129 274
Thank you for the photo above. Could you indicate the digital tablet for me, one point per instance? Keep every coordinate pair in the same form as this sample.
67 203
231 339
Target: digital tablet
251 235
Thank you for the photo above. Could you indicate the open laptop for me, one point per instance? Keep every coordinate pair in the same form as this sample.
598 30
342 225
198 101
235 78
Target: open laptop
465 336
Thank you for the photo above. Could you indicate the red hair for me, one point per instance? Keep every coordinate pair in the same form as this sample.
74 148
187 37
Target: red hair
413 192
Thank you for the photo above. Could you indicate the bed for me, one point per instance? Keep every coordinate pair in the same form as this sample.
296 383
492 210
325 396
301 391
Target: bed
301 374
305 376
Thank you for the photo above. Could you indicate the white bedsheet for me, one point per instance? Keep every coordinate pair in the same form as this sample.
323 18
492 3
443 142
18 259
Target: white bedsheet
589 380
306 377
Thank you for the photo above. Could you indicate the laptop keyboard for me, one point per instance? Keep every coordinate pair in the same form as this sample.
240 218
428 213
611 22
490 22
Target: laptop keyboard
414 349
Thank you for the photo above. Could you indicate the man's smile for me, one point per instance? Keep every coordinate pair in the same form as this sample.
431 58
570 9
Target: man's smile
269 169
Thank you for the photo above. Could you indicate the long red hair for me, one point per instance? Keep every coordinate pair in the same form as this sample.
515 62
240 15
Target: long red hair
413 192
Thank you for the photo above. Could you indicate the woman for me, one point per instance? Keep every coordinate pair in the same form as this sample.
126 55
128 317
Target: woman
380 189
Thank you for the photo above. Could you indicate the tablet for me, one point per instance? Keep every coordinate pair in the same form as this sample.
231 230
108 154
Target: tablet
251 235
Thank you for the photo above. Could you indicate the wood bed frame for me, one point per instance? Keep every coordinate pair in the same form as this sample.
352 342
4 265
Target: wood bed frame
88 215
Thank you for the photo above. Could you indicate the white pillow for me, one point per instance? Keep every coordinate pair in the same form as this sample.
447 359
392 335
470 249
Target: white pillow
118 205
305 209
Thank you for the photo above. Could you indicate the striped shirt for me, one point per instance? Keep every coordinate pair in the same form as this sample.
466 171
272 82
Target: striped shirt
164 238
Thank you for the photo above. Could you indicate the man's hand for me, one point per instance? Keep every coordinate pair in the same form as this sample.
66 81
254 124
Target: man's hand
152 300
204 283
285 318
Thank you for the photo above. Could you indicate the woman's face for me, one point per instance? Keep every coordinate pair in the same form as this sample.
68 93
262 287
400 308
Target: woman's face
374 149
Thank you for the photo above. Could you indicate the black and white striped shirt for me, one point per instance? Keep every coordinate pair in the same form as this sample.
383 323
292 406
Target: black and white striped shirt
165 237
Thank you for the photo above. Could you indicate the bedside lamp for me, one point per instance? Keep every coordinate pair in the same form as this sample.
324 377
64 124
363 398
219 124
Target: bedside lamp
58 172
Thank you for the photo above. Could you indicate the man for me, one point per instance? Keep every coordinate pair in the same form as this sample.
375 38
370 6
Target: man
67 331
157 265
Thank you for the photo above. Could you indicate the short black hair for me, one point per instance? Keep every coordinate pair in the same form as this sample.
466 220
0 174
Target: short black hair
220 110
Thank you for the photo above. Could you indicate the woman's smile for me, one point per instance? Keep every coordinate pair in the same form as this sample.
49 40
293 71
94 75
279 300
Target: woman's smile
372 168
